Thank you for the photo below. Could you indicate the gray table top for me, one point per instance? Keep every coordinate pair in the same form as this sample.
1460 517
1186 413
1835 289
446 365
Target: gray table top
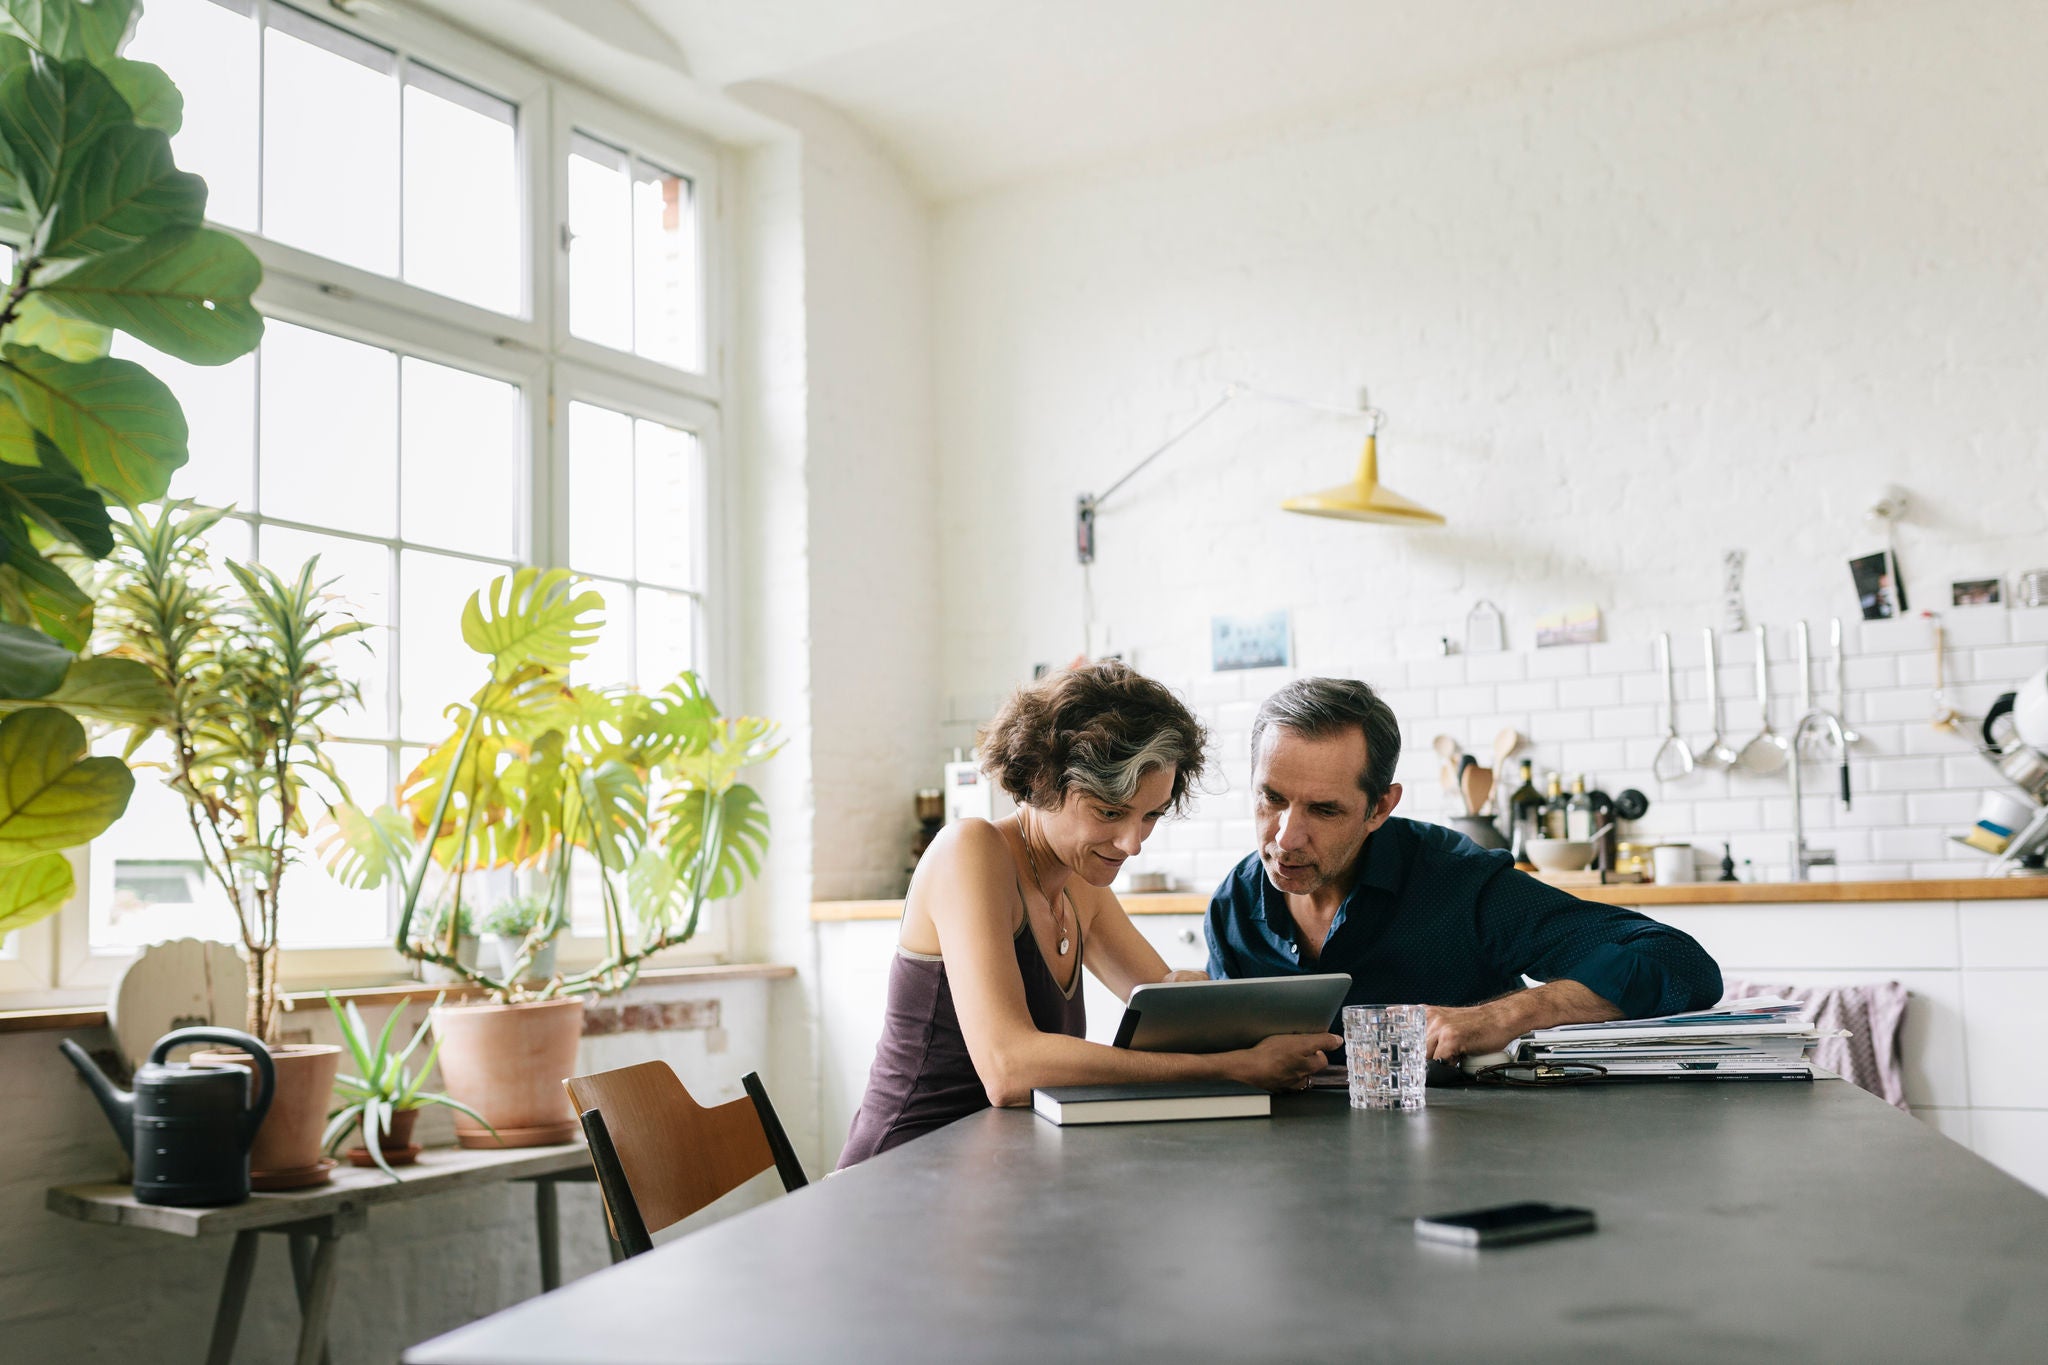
439 1170
1809 1222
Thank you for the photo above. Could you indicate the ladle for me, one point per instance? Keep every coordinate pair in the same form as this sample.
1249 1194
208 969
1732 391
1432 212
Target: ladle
1674 758
1717 752
1768 752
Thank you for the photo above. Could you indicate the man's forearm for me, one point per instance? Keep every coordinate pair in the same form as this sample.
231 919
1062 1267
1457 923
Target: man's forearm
1490 1027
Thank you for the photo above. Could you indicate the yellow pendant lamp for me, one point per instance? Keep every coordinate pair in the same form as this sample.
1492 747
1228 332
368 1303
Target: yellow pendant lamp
1364 498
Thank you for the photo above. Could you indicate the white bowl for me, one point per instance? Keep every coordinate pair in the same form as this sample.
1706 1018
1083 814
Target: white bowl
1560 855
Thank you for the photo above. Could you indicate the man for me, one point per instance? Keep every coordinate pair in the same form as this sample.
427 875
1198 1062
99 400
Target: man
1415 912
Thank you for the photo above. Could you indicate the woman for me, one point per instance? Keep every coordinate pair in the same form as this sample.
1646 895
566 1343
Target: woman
985 992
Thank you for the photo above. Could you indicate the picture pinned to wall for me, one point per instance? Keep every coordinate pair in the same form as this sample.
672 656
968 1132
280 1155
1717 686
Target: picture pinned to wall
1977 592
1573 626
1879 589
1239 642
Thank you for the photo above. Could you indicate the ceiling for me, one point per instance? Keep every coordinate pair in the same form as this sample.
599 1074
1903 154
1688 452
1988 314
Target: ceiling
968 95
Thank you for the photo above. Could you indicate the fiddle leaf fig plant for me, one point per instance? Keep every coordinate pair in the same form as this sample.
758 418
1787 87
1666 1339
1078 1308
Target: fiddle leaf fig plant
114 239
537 771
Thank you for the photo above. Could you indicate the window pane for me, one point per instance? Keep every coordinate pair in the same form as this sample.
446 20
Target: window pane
209 50
665 292
611 659
330 142
462 219
666 636
461 461
600 490
329 430
148 883
435 667
320 912
664 502
361 572
600 244
220 408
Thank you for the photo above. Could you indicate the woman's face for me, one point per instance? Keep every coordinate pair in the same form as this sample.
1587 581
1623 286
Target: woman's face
1095 838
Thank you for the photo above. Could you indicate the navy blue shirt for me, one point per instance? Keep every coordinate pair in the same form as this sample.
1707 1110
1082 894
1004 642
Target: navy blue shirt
1433 919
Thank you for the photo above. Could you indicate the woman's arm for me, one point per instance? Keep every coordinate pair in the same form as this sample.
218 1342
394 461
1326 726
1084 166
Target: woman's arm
1121 957
968 893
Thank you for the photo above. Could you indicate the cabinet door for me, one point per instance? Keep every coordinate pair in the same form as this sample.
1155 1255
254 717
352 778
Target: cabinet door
1177 938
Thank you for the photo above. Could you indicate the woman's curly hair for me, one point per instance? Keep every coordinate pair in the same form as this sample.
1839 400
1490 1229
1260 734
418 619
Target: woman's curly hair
1097 729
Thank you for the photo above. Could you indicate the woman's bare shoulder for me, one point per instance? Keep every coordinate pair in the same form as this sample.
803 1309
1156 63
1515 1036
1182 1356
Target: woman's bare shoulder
970 860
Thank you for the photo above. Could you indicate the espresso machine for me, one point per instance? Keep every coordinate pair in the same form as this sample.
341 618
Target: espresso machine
2015 735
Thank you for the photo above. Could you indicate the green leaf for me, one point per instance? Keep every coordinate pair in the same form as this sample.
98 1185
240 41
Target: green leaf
91 29
36 592
532 616
31 663
362 851
50 115
56 499
150 93
18 440
115 420
184 291
742 837
51 795
121 189
34 890
116 691
43 327
607 814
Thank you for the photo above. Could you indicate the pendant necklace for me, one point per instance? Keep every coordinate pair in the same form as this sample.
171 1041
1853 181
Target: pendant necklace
1059 919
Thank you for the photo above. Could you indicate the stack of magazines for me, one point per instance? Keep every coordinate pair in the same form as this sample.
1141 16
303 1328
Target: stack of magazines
1747 1040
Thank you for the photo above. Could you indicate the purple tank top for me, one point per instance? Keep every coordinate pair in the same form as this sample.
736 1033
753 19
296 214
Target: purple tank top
923 1077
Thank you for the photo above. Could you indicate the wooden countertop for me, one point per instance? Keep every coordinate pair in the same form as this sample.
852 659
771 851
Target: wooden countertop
1643 893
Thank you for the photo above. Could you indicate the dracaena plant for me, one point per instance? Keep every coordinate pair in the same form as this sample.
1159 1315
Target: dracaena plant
249 662
536 772
114 239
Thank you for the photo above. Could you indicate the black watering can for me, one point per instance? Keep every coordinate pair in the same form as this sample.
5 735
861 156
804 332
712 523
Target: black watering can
187 1126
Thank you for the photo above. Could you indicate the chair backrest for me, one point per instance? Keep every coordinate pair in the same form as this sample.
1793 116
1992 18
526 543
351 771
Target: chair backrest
674 1156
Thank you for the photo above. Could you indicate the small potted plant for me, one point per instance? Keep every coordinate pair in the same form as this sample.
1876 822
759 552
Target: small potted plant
466 943
522 934
383 1099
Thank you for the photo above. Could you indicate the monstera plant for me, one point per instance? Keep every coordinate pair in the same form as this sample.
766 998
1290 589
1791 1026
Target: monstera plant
537 771
112 238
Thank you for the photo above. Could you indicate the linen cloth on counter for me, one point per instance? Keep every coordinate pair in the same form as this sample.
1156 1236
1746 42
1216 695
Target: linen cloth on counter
1874 1013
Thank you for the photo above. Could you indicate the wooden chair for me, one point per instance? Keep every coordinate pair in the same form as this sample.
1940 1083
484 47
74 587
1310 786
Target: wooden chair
660 1156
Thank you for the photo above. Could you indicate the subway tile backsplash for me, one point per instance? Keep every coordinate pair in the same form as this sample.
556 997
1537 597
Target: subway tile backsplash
1597 709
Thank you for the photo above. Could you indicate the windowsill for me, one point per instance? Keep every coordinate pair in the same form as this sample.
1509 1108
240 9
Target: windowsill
73 1017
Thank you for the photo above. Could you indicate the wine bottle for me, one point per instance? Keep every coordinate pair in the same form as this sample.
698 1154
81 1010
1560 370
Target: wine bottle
1525 812
1580 819
1554 809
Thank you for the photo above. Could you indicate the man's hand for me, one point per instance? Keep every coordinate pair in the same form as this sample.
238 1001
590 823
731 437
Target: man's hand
1472 1030
1186 976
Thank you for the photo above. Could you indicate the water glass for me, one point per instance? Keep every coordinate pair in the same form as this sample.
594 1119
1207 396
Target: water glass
1385 1055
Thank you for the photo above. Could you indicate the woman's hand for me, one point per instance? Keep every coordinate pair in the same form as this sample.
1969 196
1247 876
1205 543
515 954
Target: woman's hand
1286 1061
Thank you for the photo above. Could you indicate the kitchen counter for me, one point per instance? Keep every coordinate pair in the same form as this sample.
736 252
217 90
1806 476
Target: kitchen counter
1640 893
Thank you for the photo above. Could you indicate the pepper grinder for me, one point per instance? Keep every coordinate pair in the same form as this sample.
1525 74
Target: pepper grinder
1727 863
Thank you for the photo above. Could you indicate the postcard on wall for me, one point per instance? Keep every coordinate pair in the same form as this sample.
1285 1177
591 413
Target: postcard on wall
1575 626
1248 642
1878 589
1977 592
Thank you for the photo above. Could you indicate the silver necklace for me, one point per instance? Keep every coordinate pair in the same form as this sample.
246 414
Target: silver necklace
1059 919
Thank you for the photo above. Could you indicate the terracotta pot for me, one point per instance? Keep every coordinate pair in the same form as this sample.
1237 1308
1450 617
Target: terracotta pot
399 1148
287 1151
508 1063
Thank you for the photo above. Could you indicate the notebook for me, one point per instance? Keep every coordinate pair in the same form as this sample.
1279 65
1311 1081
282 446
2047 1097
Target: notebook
1150 1102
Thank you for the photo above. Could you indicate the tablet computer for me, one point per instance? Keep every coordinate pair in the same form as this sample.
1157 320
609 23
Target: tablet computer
1223 1016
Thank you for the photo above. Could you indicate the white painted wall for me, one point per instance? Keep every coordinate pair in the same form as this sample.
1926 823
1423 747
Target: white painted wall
1704 293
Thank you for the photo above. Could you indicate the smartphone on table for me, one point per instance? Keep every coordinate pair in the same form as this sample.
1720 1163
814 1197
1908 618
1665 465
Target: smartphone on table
1505 1224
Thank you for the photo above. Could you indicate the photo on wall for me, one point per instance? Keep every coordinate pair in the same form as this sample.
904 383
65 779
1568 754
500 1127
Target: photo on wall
1878 589
1238 642
1977 592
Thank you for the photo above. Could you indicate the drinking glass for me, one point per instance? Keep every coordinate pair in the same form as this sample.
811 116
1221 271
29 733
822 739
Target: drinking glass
1385 1057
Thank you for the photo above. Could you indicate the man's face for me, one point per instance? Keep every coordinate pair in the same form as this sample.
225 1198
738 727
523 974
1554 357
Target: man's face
1312 818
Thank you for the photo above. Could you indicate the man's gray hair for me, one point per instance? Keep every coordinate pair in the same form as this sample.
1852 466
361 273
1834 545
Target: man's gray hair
1317 708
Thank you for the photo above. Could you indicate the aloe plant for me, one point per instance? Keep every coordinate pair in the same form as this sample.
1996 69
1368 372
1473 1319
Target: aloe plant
383 1085
537 771
115 240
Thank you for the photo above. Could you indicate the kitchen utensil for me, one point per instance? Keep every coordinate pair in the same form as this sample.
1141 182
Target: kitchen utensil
2030 711
1631 804
1602 832
1505 745
1768 751
1560 855
1477 784
1849 736
1802 638
1674 758
187 1126
1945 717
1466 764
2004 811
1717 752
2032 588
1479 830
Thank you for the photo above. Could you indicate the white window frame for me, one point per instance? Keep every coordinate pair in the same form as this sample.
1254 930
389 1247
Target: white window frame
52 962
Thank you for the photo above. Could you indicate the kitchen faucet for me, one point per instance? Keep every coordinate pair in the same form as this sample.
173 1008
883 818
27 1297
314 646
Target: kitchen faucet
1804 858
